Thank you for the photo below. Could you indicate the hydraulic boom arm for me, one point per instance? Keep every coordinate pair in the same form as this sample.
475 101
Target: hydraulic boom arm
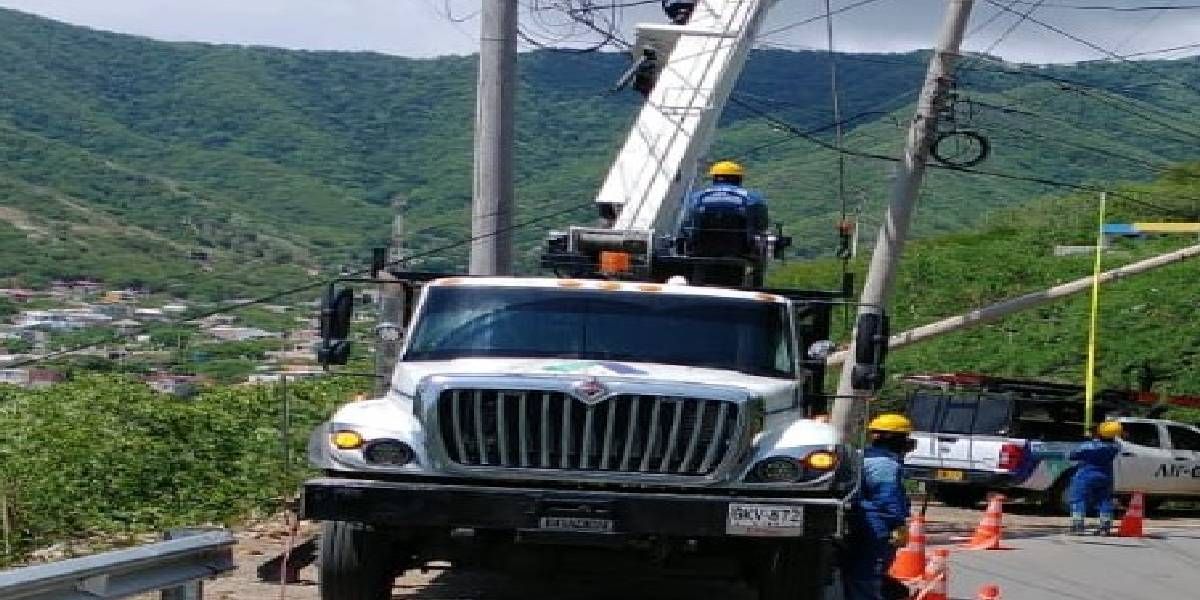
658 162
695 67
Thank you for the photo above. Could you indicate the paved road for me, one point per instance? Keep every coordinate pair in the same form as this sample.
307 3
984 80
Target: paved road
1044 564
1053 566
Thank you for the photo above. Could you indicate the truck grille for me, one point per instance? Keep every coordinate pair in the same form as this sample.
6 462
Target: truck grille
623 433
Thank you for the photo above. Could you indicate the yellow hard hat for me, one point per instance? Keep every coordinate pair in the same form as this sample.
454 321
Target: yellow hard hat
726 167
1109 430
891 423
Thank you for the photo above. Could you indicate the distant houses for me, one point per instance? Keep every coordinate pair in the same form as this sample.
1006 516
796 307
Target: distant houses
239 334
176 385
30 378
61 319
147 333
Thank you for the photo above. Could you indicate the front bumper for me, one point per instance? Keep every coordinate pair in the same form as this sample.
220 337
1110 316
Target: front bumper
451 506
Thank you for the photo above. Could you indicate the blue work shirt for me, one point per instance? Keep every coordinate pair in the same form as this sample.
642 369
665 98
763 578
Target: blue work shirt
724 194
882 505
1096 457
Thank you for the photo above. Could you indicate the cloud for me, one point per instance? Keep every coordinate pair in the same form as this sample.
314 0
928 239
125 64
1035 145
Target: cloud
424 27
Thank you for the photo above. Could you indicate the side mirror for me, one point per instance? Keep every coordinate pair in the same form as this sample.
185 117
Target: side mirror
870 352
337 308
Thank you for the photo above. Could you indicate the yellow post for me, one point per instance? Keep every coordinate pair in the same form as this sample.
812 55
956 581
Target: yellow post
1089 377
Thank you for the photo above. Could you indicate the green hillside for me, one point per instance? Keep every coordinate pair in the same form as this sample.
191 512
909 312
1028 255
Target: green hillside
1151 318
122 157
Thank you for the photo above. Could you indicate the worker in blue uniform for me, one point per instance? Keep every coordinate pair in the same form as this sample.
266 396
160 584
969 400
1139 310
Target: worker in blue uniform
725 219
1092 483
879 515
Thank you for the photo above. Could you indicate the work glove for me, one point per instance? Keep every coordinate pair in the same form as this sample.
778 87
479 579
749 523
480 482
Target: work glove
899 537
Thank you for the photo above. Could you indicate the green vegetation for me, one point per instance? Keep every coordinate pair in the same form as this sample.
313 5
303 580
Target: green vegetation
1151 318
103 455
225 362
217 171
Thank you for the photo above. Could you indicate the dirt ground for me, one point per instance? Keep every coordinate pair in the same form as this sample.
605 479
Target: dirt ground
259 543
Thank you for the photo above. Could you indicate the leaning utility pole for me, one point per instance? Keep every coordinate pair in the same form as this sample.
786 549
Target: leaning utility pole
892 233
492 197
389 328
999 310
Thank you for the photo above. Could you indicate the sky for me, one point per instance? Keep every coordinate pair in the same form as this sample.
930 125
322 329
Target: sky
423 28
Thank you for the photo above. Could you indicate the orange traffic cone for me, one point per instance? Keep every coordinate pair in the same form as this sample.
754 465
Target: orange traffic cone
910 560
987 534
990 591
937 575
1131 523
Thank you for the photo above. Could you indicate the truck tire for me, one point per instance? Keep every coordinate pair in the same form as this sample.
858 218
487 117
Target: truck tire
794 570
356 562
959 496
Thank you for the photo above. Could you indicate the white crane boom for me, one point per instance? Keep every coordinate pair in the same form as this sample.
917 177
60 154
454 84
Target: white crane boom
674 130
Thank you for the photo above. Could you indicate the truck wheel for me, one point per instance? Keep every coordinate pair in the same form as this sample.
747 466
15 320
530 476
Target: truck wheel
794 570
356 562
959 496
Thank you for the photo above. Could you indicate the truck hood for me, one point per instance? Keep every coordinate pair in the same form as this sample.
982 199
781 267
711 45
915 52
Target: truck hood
410 373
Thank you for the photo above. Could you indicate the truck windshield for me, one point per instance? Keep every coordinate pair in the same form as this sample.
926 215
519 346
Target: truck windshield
725 333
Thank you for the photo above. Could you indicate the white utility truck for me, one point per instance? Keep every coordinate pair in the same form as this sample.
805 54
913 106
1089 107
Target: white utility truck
977 434
653 404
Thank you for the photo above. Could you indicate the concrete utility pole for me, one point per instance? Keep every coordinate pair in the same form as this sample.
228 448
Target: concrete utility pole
894 230
389 326
492 199
994 312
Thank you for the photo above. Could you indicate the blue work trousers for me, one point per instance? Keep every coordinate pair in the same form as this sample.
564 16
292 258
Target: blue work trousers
1091 489
863 569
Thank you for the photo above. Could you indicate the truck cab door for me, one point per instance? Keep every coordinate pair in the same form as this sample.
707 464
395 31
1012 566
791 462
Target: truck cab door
1144 462
1185 454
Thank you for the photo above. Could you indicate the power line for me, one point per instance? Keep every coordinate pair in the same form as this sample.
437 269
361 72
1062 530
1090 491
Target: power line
1097 47
1102 94
838 133
1113 8
1022 17
1148 165
992 19
1161 50
295 289
819 17
971 171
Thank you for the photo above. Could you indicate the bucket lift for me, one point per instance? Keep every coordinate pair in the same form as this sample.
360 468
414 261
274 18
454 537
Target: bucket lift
641 200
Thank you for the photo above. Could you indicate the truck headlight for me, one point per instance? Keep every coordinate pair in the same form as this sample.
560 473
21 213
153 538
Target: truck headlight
777 469
390 453
786 469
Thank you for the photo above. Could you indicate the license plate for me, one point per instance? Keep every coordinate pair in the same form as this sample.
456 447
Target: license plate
948 475
576 524
765 520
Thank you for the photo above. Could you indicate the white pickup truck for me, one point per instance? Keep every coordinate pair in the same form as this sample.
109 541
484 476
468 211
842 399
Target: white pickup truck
985 436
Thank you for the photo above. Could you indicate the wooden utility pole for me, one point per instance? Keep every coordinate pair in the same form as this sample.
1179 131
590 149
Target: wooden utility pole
893 231
493 190
389 326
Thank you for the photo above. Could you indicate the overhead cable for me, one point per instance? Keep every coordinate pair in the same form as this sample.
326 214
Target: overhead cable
272 296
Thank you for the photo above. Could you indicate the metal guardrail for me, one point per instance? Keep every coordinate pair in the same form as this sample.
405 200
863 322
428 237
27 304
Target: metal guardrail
176 566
